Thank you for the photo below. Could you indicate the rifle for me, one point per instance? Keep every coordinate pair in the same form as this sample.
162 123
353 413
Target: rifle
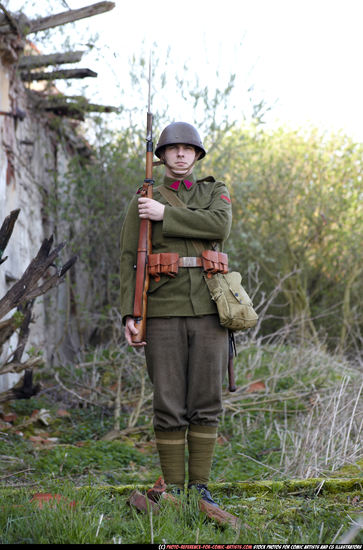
144 243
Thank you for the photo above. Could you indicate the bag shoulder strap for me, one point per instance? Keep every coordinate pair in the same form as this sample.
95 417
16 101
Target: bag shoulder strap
170 196
174 200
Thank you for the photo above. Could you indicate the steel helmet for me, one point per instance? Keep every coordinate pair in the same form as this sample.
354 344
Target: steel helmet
180 132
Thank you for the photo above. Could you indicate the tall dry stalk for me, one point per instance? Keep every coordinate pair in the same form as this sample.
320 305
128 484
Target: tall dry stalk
312 402
327 437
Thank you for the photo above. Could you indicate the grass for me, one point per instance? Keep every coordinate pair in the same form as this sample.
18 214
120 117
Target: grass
302 421
101 515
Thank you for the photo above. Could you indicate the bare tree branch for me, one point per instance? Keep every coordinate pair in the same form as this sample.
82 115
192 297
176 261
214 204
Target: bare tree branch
6 231
27 287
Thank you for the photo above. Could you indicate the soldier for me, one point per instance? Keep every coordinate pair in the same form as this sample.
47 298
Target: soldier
187 349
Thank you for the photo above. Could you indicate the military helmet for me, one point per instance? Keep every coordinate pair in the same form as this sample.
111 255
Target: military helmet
180 132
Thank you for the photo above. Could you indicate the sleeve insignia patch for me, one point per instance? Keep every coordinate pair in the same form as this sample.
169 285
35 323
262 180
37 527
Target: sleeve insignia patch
225 198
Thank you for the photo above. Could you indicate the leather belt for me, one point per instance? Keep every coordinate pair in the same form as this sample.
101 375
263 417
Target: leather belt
190 261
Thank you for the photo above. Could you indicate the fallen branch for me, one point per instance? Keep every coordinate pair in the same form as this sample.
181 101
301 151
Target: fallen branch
15 367
23 390
72 392
273 398
259 409
17 473
261 463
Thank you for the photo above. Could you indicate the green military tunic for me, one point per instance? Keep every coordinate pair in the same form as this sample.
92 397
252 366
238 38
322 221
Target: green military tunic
208 218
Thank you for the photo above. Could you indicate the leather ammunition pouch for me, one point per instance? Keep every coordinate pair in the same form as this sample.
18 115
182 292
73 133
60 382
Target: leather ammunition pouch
214 262
164 263
168 263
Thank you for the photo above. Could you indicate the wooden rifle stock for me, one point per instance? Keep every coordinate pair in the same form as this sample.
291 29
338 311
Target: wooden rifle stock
144 245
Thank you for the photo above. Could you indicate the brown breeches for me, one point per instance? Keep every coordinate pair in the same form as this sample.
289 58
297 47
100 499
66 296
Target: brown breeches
187 360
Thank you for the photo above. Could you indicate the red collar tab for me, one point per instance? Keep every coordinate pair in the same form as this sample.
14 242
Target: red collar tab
175 184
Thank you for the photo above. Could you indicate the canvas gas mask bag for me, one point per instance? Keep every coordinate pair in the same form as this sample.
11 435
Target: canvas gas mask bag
234 306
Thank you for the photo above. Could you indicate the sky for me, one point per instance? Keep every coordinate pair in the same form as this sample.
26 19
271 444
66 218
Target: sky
303 58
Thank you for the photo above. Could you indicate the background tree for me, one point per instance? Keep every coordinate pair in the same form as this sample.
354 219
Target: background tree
298 209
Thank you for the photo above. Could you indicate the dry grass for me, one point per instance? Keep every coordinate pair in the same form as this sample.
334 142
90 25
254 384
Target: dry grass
310 399
328 436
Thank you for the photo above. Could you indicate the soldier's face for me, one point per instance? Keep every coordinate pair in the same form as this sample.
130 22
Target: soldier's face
179 159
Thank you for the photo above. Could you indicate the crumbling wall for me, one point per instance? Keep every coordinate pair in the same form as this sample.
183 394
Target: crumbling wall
31 160
34 159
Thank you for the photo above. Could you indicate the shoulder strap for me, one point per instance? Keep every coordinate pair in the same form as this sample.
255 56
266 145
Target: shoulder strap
174 200
170 196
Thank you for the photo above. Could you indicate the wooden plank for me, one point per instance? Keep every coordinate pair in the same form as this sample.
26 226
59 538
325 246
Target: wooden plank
35 61
71 106
68 16
57 75
217 514
142 503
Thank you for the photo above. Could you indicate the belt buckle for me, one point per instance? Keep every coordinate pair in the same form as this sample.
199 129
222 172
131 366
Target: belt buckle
189 261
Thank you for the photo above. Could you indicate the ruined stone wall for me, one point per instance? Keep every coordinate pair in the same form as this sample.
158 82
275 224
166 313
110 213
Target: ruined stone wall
32 160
